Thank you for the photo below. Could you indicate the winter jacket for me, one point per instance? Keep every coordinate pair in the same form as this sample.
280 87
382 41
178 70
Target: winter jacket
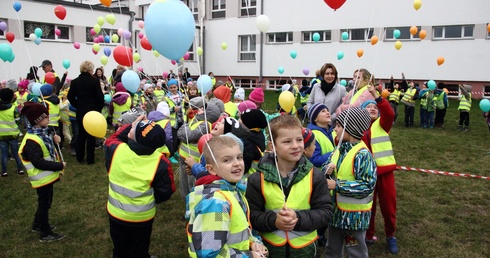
85 94
185 134
253 147
157 116
347 103
317 158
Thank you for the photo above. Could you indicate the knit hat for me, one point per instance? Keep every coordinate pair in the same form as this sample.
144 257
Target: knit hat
120 87
367 102
149 134
237 140
23 84
218 103
172 82
223 93
34 112
247 104
212 112
197 102
147 86
314 110
131 116
285 87
12 84
308 137
47 90
6 95
355 120
239 94
254 119
257 95
163 108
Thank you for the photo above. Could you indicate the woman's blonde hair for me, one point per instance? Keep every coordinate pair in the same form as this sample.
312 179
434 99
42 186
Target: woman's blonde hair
87 67
365 76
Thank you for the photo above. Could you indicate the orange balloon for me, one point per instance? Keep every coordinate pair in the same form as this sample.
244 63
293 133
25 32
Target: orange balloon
422 34
488 27
106 2
385 93
440 60
413 30
360 52
374 40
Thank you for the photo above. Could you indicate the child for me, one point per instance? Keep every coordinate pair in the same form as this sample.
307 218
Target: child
121 102
464 107
239 96
320 125
352 187
174 101
149 98
308 140
219 225
224 94
9 131
38 155
377 139
192 91
288 196
394 99
161 117
139 178
408 99
65 116
53 105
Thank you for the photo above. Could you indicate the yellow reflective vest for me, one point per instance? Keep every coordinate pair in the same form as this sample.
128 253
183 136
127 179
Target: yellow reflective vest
325 144
38 177
120 109
54 113
395 96
408 96
298 199
8 127
231 109
190 149
358 94
21 99
131 196
464 104
381 145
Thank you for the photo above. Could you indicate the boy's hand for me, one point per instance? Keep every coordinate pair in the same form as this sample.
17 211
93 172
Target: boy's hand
188 170
329 168
64 165
286 219
176 109
373 91
190 161
258 250
331 184
56 138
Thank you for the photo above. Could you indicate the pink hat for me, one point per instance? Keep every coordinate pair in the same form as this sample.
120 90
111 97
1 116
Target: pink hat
247 104
257 95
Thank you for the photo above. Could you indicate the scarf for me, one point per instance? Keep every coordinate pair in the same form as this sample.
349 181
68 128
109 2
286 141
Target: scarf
43 133
326 87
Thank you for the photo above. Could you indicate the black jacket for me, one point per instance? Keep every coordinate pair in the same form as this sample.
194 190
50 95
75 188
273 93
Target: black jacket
251 146
85 94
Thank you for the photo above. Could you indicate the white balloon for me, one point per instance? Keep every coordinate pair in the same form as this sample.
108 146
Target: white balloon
32 36
263 23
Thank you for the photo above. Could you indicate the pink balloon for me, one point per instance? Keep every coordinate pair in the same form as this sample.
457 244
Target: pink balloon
101 39
92 32
76 45
141 24
186 56
96 40
173 62
165 74
141 35
120 32
140 69
127 34
57 32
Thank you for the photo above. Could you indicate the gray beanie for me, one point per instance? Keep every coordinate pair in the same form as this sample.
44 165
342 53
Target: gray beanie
240 143
212 112
197 102
131 116
355 120
219 103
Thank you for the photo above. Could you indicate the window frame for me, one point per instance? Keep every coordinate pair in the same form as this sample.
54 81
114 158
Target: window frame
220 11
251 47
245 83
404 30
289 37
323 35
54 27
191 53
444 28
194 7
143 9
2 33
368 33
275 83
245 11
486 91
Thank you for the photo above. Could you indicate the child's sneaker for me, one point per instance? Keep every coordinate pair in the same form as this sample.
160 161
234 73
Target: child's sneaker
53 237
20 172
392 246
173 160
4 173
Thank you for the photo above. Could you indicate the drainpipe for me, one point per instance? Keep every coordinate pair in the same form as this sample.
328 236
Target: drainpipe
130 25
201 37
261 57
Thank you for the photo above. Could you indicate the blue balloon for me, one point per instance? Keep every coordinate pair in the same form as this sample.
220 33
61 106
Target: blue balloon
343 83
204 84
431 85
36 89
37 41
345 35
5 52
17 6
107 98
107 51
130 81
107 39
11 59
170 18
280 69
485 105
38 32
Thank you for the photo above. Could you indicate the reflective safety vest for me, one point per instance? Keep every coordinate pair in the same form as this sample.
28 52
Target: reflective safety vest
423 100
325 144
395 96
239 236
159 94
37 176
55 76
131 196
8 127
231 109
65 115
164 149
190 149
54 113
21 99
381 145
464 104
346 172
440 100
298 199
408 96
304 99
358 94
120 109
173 115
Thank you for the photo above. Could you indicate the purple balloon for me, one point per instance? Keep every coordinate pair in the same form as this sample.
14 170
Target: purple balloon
306 71
3 26
92 32
127 34
107 51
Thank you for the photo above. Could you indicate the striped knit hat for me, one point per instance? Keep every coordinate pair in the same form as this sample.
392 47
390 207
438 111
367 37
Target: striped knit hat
314 110
308 137
355 120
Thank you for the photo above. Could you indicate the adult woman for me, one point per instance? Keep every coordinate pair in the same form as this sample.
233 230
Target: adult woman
362 78
328 91
104 85
85 95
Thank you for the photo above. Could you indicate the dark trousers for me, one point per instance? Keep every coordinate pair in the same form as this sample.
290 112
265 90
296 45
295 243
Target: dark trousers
44 200
130 242
84 138
440 115
409 112
464 118
394 106
74 132
423 117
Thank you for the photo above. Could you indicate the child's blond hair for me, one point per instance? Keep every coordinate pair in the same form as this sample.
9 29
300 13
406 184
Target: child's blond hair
284 121
214 144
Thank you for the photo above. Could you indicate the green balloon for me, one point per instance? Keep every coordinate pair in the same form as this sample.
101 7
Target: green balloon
5 52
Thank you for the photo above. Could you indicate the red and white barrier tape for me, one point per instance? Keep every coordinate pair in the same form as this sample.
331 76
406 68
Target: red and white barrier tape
475 92
432 171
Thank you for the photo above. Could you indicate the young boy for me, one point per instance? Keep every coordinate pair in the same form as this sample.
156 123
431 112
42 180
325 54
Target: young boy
218 225
320 120
288 196
309 140
352 186
9 131
37 152
139 178
464 107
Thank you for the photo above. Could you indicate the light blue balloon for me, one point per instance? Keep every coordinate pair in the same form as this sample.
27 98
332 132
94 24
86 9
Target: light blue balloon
280 69
38 32
343 83
107 51
396 34
170 28
204 83
107 39
345 35
293 54
17 6
5 51
12 57
107 98
431 85
37 41
316 37
66 63
485 105
130 81
340 55
36 89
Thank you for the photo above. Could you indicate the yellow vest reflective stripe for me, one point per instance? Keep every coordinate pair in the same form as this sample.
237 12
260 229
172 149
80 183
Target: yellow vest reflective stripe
395 96
298 199
464 104
164 149
381 145
72 114
407 97
231 109
191 149
8 127
130 193
120 109
325 144
346 172
239 237
358 93
21 99
173 115
54 113
38 177
423 101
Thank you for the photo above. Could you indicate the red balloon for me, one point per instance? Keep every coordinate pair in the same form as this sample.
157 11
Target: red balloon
60 12
145 44
123 55
10 36
49 77
203 140
334 4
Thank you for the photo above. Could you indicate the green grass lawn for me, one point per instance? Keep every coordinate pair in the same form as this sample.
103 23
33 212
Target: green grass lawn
438 216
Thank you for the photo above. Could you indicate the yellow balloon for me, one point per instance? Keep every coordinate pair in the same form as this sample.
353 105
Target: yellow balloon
100 20
115 38
104 59
398 45
224 46
155 53
199 51
110 18
286 101
95 124
97 28
136 57
96 47
417 4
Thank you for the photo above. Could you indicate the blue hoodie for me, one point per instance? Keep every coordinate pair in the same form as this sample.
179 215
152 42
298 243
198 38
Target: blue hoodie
317 158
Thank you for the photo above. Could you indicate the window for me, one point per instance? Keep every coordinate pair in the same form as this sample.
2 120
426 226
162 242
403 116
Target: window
275 84
325 36
357 34
454 32
247 48
219 9
194 7
245 83
486 93
404 33
104 32
280 37
248 7
48 30
2 33
191 53
453 89
143 9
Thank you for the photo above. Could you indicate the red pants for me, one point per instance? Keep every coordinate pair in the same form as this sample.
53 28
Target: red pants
386 192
